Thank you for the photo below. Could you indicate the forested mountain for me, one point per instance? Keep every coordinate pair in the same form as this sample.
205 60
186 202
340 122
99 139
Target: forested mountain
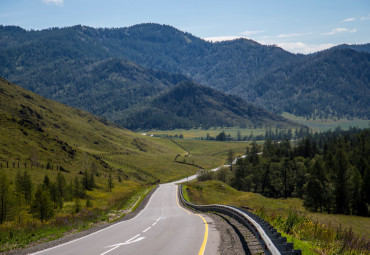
242 67
356 47
105 88
190 105
333 82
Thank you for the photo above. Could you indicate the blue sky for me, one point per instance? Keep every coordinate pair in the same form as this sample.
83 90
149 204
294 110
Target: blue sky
295 25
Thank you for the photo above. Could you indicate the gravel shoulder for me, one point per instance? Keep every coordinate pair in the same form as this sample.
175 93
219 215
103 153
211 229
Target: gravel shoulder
235 238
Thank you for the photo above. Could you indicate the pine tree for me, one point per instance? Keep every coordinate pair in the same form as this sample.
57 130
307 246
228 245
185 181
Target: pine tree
61 185
5 198
18 192
110 183
42 206
27 187
341 182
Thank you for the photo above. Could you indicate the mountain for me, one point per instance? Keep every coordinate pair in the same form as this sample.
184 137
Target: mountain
161 47
238 67
334 82
37 130
189 105
356 47
105 88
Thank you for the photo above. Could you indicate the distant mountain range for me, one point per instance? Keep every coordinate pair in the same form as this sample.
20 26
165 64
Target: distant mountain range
94 69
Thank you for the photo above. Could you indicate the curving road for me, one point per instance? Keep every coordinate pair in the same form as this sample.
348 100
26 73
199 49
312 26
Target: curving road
162 227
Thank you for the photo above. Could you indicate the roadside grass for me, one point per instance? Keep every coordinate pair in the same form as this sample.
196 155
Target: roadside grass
320 125
311 232
104 209
210 154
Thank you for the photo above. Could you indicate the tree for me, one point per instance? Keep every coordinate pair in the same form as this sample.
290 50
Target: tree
221 136
42 206
56 196
27 187
18 191
61 185
5 199
110 183
46 182
34 157
223 174
358 203
78 189
341 182
230 159
253 156
239 135
313 197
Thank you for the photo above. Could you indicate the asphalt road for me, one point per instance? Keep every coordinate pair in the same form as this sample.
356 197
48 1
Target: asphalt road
162 227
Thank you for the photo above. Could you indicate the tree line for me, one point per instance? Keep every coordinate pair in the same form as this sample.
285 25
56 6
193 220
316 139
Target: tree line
42 201
270 134
330 171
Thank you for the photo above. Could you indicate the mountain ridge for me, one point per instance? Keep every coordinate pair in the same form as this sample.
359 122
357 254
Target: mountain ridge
234 67
190 105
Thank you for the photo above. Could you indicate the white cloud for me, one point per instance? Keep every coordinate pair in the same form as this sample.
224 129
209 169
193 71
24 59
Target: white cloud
349 19
56 2
289 35
365 18
340 30
248 33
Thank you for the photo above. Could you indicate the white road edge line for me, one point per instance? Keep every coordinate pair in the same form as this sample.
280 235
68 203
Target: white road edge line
72 241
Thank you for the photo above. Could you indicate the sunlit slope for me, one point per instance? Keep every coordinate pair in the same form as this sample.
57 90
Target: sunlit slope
34 130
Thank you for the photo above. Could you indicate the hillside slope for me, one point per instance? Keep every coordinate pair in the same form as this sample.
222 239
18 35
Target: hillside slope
37 131
330 83
190 105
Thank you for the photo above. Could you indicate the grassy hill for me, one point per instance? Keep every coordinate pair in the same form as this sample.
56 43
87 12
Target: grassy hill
36 130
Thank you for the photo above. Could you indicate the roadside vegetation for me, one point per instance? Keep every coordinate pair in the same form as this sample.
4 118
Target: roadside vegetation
316 191
313 233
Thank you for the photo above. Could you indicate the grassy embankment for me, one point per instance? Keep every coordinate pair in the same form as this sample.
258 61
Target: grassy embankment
312 232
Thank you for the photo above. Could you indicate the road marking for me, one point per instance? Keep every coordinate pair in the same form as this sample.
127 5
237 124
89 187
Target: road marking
129 240
177 201
114 225
203 247
164 195
147 229
115 246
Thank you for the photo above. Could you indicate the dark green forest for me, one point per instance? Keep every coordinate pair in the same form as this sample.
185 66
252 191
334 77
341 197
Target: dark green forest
330 171
72 64
190 105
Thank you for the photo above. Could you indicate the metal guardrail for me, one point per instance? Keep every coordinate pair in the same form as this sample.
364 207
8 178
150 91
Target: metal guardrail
272 241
